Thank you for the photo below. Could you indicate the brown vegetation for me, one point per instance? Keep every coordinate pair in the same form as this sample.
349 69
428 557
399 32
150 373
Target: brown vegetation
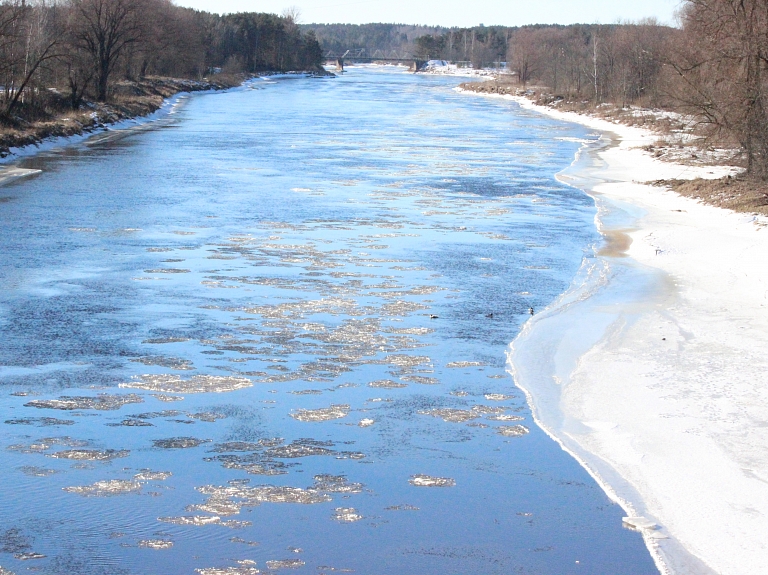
130 99
737 194
655 119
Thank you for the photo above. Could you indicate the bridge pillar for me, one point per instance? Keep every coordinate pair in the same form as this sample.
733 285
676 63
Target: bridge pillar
417 65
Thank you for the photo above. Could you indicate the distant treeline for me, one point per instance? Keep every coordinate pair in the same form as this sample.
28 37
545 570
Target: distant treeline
384 39
80 48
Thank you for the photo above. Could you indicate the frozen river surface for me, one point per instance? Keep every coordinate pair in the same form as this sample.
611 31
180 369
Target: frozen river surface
269 333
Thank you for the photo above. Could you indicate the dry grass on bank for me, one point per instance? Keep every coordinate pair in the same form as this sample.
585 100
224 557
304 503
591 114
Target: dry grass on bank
129 100
738 194
662 121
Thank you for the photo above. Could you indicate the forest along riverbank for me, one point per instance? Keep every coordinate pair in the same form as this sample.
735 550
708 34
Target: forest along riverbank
650 368
270 333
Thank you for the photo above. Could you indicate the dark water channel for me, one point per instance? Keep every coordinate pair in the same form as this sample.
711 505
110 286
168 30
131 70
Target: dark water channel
269 333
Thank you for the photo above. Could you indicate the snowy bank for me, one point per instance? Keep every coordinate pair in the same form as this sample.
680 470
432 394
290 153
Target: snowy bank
652 369
444 68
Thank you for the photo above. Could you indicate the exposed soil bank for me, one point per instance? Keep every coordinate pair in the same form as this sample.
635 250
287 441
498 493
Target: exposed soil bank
131 100
738 194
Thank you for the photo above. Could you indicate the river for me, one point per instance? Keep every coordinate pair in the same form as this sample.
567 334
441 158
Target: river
268 331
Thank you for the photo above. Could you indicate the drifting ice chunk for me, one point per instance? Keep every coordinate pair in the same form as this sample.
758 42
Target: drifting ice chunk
506 418
639 523
512 430
347 515
196 520
102 402
168 383
178 442
155 544
387 384
323 414
28 556
459 364
285 564
106 488
427 481
229 571
498 397
452 415
91 454
149 475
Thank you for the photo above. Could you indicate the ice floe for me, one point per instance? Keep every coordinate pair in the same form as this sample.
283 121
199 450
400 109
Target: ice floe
429 481
91 454
322 414
106 488
39 421
285 564
346 515
179 442
101 402
155 544
512 430
171 383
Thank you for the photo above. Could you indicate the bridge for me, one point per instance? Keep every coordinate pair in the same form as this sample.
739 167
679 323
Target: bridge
360 57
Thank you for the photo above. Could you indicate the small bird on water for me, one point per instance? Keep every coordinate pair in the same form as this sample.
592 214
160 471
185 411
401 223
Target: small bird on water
489 315
433 316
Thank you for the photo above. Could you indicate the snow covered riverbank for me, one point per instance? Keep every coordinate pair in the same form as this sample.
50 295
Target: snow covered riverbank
652 369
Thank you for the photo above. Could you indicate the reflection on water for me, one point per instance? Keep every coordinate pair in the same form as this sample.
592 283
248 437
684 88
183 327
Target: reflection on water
276 325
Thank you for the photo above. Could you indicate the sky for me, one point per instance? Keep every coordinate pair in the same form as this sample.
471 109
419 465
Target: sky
453 12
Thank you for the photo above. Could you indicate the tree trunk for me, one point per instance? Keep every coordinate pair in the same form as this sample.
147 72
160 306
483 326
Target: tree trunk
102 85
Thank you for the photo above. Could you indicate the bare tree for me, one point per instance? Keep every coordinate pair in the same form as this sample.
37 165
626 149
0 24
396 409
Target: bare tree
11 39
292 15
80 73
721 60
106 29
524 54
39 45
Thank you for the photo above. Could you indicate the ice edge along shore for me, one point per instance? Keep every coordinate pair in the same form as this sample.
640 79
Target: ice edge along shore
651 370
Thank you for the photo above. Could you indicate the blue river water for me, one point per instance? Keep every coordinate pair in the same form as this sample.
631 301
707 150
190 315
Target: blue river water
268 333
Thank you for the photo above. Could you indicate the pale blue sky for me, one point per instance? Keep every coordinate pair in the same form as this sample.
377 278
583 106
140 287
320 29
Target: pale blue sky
454 12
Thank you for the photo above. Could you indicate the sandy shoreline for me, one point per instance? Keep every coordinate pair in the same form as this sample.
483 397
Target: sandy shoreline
651 370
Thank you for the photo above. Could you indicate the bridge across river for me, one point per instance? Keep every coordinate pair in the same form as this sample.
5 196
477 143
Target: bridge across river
357 57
